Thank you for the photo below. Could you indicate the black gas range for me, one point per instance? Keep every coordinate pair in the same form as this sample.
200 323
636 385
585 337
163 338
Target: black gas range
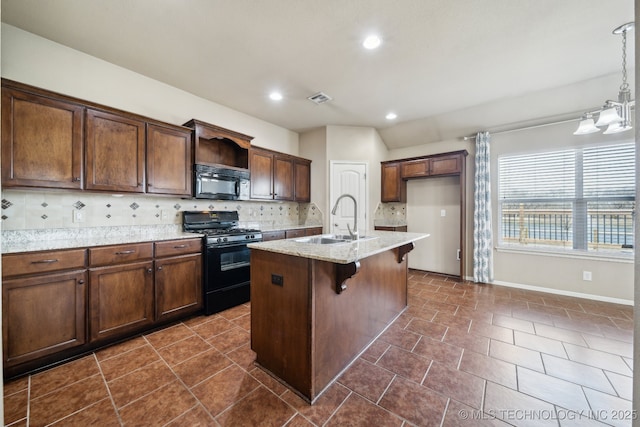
226 280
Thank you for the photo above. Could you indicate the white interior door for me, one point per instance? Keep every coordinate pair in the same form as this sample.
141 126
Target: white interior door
348 178
433 207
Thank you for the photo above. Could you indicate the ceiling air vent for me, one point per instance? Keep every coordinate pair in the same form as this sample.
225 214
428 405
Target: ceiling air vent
319 98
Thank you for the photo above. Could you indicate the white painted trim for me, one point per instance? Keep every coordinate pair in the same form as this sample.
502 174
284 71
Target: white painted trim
560 292
601 256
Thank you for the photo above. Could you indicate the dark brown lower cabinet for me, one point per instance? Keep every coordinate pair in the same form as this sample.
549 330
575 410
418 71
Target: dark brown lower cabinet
63 303
178 286
42 315
120 299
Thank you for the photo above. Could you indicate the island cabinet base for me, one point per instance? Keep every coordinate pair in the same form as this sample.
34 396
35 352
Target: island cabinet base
305 332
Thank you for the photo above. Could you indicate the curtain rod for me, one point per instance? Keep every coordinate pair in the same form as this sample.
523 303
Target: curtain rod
557 122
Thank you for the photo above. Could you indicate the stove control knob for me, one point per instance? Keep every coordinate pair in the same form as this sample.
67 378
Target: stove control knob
253 236
224 239
218 240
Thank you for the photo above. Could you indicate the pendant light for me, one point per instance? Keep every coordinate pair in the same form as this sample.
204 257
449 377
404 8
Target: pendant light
616 115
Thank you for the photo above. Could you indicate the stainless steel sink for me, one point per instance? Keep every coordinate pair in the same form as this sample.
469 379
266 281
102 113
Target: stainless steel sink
321 240
328 239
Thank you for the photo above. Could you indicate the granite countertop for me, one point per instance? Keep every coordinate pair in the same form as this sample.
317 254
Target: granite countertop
341 253
29 242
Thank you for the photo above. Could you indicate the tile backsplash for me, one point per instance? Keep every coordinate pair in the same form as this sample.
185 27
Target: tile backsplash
27 210
390 214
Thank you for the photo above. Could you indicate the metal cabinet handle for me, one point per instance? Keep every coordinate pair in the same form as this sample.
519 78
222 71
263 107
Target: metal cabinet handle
160 268
80 282
44 261
149 185
77 178
131 251
149 270
180 247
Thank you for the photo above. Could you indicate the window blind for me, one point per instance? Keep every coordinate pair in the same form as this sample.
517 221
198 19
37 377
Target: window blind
548 175
609 171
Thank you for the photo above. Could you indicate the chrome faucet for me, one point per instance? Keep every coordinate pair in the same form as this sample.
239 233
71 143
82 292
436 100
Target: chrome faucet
354 233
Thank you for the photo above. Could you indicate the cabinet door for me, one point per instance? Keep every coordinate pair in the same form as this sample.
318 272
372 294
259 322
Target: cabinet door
415 168
42 315
41 141
120 299
282 178
115 152
302 172
446 165
393 188
261 168
178 286
168 161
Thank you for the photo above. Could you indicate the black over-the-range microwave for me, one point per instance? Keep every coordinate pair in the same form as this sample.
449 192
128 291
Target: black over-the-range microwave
220 183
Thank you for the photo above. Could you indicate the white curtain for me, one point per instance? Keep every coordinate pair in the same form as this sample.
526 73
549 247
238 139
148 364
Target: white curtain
482 233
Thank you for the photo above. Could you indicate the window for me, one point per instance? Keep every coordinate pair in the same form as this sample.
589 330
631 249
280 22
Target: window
576 199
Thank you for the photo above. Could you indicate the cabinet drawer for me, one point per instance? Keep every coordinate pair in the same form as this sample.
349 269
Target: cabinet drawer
313 231
273 235
178 247
42 262
121 253
298 232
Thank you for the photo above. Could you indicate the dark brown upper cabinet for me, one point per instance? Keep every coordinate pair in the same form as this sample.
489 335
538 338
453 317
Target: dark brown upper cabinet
41 140
279 176
115 152
302 173
393 189
216 146
169 164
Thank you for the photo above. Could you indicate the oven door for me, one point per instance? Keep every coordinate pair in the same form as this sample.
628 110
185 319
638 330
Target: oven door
227 266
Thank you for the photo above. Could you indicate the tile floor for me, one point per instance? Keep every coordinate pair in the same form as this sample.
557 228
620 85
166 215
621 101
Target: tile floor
461 354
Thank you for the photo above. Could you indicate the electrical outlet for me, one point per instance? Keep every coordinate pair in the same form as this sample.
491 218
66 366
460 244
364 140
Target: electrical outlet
586 275
164 215
443 212
78 216
277 279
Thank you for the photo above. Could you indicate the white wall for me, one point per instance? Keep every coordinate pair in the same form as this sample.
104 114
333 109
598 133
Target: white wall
428 198
611 279
33 60
358 144
313 145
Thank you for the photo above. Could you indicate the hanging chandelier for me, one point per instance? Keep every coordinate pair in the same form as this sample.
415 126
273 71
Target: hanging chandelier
616 115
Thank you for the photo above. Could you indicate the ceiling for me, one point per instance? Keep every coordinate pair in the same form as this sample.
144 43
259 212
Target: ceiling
446 68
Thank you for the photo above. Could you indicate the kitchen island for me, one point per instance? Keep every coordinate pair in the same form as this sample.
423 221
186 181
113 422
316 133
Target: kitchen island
316 307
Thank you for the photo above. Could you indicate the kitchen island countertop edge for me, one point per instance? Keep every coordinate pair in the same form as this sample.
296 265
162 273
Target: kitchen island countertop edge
341 253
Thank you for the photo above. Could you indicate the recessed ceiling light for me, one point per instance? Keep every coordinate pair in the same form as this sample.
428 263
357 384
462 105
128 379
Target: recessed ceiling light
371 42
275 96
391 116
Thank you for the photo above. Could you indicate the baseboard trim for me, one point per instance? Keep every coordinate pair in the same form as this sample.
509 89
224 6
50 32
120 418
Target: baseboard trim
562 292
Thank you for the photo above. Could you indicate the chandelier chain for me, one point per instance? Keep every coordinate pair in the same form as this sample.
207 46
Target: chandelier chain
624 86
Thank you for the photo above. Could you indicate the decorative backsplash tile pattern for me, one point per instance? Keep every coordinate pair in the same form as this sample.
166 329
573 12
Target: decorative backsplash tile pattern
28 210
390 214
